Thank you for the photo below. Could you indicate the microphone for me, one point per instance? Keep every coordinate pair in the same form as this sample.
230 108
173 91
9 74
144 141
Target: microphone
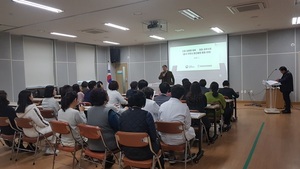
271 73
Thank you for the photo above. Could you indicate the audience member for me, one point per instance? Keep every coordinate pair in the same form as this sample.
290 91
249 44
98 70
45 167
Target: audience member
214 97
142 83
84 87
133 88
115 98
99 84
92 84
175 111
69 114
103 116
137 120
228 92
80 95
163 97
49 102
197 101
27 109
186 86
203 88
185 80
65 89
151 105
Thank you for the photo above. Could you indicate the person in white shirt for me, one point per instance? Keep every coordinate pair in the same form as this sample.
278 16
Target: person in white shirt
175 111
49 102
27 109
115 98
69 114
151 106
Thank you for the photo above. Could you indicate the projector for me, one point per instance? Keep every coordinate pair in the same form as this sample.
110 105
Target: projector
154 25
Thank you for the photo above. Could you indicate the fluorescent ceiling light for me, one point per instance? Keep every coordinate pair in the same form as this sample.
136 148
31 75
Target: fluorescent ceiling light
190 14
156 37
109 42
296 20
33 4
62 34
216 29
117 26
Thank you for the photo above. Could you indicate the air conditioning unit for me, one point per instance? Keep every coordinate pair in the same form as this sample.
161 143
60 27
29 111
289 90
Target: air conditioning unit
247 7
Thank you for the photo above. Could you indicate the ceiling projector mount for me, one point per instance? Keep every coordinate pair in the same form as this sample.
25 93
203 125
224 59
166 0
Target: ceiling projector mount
157 25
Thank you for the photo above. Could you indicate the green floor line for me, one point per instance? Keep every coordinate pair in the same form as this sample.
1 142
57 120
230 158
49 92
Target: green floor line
253 147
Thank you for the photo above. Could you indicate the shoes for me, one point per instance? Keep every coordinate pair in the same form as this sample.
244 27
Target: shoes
50 151
227 128
172 159
285 111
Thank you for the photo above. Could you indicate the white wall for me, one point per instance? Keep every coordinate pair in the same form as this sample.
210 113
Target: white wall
85 62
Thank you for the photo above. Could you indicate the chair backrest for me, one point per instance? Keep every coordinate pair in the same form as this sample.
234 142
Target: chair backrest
86 104
183 101
90 132
195 111
23 123
169 127
60 127
47 113
4 121
132 139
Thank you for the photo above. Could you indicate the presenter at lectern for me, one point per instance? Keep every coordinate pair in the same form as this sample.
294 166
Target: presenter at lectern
166 76
286 87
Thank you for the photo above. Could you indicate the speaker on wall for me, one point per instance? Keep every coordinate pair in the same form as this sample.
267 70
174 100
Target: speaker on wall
114 55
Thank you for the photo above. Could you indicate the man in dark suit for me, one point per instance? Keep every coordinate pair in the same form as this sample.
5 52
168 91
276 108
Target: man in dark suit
286 87
166 76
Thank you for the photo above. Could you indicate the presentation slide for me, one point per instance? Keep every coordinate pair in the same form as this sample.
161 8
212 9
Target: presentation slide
197 60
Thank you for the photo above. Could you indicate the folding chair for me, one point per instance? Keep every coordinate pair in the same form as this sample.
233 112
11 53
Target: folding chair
174 128
59 128
25 123
4 122
136 140
86 104
48 114
94 133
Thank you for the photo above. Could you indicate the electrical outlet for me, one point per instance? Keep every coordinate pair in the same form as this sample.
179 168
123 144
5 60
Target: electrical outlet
245 91
251 91
242 91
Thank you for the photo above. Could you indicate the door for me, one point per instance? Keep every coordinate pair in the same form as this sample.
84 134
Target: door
122 76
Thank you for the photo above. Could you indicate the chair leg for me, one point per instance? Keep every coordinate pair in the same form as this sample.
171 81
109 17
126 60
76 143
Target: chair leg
81 153
13 147
20 138
54 155
185 154
35 151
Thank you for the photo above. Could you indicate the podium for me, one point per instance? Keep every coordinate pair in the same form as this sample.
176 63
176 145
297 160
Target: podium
278 103
272 92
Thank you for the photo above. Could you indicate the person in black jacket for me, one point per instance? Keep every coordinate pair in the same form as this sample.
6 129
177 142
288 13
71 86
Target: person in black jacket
166 76
137 120
286 87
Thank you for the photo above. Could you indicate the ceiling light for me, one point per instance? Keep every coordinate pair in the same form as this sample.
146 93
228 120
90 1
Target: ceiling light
62 34
190 14
156 37
216 29
117 26
296 20
33 4
109 42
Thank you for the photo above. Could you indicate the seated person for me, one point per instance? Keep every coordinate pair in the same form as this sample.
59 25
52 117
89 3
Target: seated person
197 101
103 116
228 92
137 120
151 105
80 95
133 88
163 97
175 111
92 84
214 97
49 102
99 84
9 112
69 114
203 88
186 86
142 83
65 89
27 109
115 98
84 87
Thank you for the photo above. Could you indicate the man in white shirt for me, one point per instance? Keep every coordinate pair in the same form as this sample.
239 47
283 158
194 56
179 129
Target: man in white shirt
151 106
175 111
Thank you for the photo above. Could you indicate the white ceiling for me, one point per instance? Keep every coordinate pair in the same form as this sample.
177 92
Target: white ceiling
86 14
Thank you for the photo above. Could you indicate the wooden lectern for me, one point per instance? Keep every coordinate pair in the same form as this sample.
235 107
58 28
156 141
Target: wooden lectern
277 98
272 87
